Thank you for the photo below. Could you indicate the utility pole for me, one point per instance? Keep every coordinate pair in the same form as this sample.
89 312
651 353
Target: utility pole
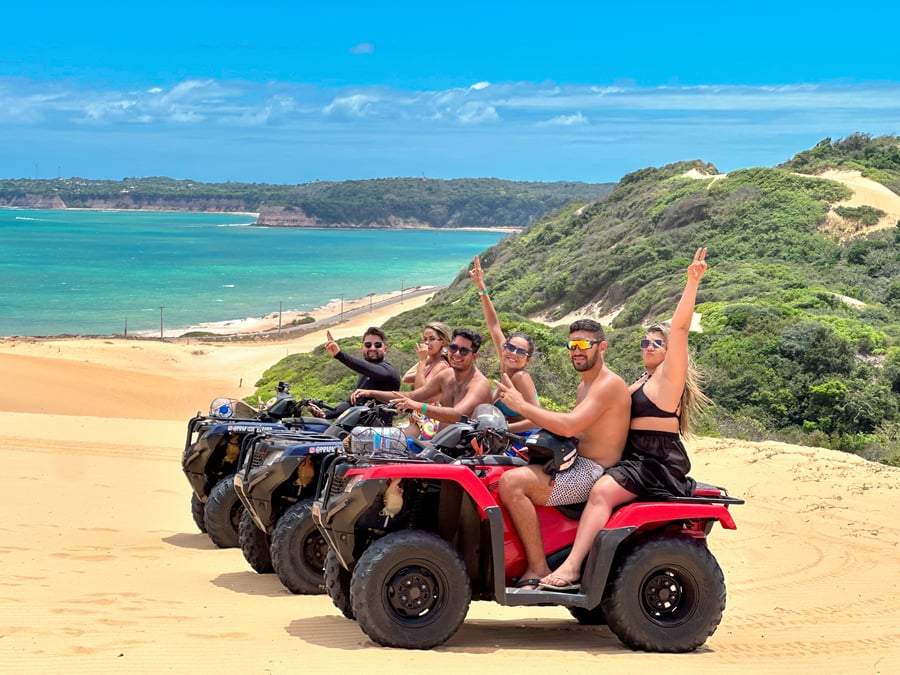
342 306
279 316
161 323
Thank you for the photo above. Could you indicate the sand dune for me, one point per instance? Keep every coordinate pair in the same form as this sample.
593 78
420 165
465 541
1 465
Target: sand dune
103 569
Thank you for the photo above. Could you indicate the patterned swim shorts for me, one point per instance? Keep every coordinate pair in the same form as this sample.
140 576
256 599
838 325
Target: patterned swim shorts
574 485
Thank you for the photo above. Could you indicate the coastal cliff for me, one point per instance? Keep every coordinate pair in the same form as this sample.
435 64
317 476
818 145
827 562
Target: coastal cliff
292 216
127 202
31 201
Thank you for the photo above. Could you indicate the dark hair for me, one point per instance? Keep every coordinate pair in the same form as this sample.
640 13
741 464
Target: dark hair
525 336
375 330
590 326
470 335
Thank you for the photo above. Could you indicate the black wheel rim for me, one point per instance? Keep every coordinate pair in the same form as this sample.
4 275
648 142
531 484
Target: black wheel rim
315 548
669 595
412 593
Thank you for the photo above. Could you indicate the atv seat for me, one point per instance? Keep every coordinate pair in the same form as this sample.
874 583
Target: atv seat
493 460
703 492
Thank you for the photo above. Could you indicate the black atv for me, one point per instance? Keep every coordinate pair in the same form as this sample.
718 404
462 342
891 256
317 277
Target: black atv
413 542
278 478
212 449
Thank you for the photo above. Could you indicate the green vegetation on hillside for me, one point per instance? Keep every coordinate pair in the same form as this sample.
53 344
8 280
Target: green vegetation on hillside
466 202
800 336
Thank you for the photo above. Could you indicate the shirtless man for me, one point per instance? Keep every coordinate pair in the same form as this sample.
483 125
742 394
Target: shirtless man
599 420
459 388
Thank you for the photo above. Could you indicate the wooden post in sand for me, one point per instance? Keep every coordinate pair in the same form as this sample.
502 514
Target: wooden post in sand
160 323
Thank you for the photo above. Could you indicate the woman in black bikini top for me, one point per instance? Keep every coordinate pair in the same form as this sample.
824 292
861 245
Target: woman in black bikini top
655 464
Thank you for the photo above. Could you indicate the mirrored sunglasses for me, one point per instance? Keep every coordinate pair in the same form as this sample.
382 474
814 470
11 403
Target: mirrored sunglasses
512 349
656 343
583 345
464 351
369 345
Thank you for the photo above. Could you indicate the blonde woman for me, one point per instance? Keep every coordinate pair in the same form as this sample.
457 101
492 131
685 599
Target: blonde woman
655 463
432 359
514 352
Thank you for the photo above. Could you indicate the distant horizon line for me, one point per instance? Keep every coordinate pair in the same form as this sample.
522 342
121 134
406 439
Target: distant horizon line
309 182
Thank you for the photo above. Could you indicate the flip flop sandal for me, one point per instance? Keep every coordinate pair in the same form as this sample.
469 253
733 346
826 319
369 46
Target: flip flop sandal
565 587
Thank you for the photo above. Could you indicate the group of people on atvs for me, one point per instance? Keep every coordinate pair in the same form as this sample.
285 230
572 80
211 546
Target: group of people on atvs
485 494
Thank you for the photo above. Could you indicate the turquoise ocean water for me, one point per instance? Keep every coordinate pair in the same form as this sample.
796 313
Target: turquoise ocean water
90 272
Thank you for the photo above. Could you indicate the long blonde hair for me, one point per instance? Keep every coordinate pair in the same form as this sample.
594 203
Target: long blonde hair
693 400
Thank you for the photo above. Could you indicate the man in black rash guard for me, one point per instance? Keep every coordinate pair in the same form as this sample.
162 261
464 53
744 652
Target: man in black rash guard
374 371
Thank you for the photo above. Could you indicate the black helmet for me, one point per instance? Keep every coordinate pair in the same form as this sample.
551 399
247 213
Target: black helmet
556 453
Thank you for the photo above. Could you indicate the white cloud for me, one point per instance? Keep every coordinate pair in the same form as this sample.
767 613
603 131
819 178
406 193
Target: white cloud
476 113
356 105
363 48
478 86
566 121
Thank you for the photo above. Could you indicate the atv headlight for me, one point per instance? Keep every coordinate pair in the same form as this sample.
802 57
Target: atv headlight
351 481
272 457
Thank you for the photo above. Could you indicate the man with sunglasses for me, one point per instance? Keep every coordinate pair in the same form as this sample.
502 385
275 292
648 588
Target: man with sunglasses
374 372
459 388
599 421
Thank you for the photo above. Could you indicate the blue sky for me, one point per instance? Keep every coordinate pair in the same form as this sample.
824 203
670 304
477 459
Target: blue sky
292 92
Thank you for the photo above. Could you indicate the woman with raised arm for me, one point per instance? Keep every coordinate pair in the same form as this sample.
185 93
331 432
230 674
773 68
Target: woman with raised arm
432 359
654 464
514 353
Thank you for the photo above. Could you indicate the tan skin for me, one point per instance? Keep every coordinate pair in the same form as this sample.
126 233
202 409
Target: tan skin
599 420
458 389
430 357
511 364
665 379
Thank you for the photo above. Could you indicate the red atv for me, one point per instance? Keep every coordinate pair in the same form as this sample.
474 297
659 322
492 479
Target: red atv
414 539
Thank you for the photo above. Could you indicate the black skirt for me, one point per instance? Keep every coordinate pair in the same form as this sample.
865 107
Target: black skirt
654 466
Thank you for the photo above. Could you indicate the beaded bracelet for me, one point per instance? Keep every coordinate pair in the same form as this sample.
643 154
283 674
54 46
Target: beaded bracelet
483 292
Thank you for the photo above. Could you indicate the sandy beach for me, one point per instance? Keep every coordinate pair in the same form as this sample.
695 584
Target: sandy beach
103 569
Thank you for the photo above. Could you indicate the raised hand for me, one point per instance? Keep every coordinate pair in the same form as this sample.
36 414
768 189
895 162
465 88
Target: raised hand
510 396
476 274
330 345
697 268
422 351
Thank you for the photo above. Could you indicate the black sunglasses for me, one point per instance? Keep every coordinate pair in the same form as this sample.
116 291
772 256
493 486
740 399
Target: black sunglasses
512 349
464 351
369 345
656 343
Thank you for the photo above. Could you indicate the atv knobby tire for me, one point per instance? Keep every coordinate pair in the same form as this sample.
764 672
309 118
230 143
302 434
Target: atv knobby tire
337 585
223 513
197 509
254 544
298 551
410 589
666 595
